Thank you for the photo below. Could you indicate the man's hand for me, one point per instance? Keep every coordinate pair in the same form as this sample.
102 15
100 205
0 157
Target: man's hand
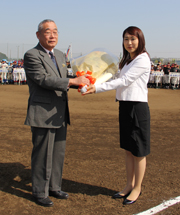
79 80
90 89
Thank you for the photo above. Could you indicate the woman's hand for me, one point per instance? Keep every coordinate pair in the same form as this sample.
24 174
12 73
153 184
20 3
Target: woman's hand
90 89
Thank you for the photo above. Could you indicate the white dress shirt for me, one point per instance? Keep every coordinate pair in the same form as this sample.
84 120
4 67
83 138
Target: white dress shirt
47 50
131 84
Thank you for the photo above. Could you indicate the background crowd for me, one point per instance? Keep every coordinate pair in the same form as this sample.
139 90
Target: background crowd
9 77
161 74
164 76
166 68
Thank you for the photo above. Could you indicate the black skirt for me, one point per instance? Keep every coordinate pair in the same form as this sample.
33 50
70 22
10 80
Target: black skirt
134 121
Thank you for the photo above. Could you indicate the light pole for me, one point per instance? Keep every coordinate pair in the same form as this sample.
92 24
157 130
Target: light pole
7 50
23 49
17 52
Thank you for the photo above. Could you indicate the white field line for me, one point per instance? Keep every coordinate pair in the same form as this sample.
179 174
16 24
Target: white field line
160 207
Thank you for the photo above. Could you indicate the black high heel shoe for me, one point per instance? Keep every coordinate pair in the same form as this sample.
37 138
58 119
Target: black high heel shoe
129 202
119 196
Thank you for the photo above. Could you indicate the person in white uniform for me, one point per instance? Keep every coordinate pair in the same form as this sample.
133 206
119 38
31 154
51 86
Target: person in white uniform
134 115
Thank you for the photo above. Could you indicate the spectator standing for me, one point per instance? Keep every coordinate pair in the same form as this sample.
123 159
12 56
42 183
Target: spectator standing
4 65
15 76
10 73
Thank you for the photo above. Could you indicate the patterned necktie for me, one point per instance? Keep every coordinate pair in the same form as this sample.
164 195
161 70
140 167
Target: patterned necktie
54 60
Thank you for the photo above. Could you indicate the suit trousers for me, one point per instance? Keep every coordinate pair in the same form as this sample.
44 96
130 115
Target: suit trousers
47 159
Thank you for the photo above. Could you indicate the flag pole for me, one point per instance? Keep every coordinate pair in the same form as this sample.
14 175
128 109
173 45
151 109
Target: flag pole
71 50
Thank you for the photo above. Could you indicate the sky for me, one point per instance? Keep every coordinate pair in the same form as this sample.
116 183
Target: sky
88 25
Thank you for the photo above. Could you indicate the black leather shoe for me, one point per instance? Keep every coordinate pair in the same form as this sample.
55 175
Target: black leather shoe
59 194
46 202
119 196
129 202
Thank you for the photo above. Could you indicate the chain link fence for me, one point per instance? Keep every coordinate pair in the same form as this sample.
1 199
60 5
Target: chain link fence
15 51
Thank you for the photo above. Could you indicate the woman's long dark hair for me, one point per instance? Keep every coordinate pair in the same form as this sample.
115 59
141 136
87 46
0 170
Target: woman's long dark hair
132 30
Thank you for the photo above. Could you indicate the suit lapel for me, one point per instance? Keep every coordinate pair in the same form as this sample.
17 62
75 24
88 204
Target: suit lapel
59 61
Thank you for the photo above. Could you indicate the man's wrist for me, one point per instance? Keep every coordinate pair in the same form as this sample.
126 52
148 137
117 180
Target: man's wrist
71 82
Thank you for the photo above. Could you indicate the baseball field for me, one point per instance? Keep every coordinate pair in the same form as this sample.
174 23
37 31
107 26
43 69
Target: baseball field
94 167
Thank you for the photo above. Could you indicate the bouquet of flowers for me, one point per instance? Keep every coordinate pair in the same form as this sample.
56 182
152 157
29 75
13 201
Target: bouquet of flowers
100 64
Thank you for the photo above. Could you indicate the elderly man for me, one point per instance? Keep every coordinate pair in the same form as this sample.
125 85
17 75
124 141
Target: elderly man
48 112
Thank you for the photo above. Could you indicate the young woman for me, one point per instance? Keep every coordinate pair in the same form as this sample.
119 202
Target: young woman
134 115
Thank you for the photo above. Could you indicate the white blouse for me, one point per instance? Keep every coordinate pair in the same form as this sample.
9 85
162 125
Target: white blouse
131 85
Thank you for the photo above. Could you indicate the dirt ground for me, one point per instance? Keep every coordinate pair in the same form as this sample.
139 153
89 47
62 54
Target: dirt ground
94 166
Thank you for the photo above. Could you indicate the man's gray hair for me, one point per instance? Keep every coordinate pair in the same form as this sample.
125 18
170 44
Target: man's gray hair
40 26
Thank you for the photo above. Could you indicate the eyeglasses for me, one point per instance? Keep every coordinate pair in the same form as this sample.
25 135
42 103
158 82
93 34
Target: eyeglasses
49 33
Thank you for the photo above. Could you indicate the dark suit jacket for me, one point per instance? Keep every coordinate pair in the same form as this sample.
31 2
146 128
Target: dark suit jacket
48 102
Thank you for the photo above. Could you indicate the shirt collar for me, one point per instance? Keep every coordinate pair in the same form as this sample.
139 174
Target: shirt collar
46 49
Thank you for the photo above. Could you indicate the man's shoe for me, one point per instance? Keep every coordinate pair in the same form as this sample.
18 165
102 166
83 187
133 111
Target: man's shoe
59 194
46 202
